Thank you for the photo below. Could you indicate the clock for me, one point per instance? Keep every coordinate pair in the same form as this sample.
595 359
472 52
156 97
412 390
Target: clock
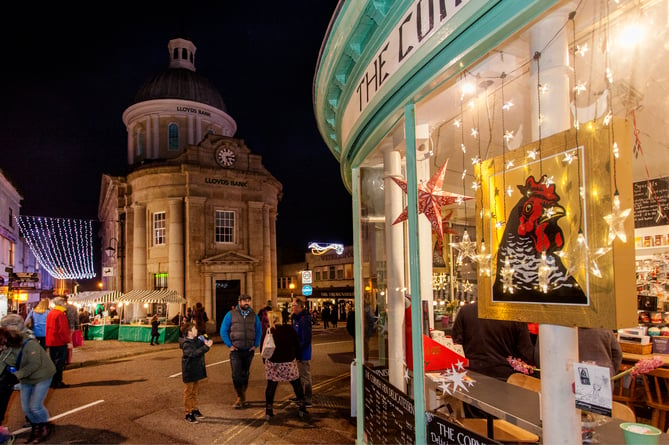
225 157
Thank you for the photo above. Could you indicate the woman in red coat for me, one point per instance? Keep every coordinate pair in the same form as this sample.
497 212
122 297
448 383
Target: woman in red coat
57 338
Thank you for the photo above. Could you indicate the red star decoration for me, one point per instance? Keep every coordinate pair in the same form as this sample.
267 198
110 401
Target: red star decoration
431 198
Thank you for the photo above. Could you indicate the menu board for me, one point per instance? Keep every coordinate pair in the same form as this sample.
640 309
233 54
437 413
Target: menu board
647 200
389 417
389 414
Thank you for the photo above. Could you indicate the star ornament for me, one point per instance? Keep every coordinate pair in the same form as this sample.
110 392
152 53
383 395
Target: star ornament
616 220
431 198
466 249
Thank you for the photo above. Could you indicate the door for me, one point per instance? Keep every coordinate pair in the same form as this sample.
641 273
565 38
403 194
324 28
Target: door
227 292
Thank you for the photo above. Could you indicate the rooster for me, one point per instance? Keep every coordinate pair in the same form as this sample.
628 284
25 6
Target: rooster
532 230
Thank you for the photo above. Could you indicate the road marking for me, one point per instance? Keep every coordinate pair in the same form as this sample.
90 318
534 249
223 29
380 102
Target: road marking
66 413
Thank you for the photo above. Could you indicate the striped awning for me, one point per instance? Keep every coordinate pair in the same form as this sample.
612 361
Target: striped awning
96 296
152 296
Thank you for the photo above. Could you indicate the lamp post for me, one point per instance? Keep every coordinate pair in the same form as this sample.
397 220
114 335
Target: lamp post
111 252
291 286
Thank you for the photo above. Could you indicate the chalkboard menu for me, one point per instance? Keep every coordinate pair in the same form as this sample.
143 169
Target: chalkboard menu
389 413
389 417
646 202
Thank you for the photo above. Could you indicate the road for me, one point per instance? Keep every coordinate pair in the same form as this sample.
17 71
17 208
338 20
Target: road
139 400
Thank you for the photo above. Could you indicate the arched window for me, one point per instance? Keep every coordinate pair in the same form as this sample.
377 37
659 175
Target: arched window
140 142
172 137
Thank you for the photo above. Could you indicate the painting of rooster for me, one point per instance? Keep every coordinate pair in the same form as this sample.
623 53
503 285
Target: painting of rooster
532 232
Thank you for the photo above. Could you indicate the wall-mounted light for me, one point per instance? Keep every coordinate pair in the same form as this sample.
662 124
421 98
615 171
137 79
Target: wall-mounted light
111 250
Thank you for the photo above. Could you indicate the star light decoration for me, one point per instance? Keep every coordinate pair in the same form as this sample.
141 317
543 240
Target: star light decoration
453 378
466 249
580 253
616 220
507 276
431 198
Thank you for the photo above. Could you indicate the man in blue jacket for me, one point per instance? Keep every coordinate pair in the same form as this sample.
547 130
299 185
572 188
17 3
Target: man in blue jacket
303 326
240 331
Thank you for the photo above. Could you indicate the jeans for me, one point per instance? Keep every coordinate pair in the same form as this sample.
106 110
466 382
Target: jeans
58 356
304 366
32 401
240 362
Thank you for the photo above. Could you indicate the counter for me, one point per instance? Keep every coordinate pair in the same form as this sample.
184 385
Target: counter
102 332
142 333
633 358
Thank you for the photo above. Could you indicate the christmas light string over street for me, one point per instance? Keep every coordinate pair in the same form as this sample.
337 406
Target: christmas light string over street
63 247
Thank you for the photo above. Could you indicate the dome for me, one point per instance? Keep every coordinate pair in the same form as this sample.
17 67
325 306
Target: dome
180 81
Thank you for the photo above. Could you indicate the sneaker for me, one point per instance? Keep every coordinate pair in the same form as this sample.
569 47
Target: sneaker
197 414
190 418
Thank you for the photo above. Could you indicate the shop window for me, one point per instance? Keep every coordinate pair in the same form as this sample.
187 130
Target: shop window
225 226
160 281
159 228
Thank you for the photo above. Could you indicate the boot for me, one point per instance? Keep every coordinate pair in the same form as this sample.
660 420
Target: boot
244 402
44 430
269 412
302 412
239 402
33 432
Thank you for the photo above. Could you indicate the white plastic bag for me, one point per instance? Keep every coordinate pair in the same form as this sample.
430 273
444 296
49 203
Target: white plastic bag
268 345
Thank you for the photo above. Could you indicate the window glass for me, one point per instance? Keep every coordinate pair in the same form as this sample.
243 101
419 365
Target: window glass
225 226
159 228
173 137
160 281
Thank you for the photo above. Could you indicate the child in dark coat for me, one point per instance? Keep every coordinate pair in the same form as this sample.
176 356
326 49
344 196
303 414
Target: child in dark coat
193 368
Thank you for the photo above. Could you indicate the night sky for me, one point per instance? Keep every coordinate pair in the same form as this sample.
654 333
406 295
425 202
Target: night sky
69 75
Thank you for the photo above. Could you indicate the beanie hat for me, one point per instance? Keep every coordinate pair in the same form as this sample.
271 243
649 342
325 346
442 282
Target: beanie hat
14 322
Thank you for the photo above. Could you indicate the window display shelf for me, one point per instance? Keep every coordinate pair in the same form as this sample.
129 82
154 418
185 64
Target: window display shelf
642 252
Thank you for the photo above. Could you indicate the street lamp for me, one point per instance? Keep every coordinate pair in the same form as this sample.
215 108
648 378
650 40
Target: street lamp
291 286
111 250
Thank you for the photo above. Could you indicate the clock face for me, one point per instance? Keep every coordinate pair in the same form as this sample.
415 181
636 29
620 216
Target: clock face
225 157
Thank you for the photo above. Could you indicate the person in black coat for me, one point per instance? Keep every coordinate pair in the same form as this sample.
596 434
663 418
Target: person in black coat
282 365
193 368
155 335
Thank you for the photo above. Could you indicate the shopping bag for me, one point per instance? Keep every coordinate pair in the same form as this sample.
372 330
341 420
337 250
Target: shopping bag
77 338
268 345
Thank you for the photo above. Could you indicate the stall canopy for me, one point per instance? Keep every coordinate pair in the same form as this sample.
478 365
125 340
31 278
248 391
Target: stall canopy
152 296
98 296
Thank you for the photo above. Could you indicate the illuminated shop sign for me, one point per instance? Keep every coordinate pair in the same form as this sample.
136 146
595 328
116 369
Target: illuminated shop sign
422 20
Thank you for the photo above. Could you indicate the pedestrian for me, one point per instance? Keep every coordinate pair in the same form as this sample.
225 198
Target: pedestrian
57 339
282 365
7 360
334 316
350 327
84 321
325 315
303 327
36 321
285 316
34 371
72 314
193 368
154 329
199 316
241 332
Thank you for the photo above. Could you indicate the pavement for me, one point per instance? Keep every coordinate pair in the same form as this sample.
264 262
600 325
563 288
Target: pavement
329 420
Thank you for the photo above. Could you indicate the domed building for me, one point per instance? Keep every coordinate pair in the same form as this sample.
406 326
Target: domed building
196 214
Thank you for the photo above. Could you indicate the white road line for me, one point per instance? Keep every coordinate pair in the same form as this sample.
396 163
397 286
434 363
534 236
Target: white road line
66 413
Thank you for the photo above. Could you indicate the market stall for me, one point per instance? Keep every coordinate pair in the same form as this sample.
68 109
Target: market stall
140 303
103 326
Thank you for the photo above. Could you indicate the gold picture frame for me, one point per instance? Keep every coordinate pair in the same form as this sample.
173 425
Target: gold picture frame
590 288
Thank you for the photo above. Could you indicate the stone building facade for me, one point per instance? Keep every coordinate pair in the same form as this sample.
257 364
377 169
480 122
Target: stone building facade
197 211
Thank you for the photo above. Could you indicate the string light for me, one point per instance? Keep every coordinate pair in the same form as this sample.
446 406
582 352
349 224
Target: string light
63 247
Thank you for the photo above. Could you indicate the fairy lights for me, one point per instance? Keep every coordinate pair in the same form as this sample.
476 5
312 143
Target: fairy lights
63 247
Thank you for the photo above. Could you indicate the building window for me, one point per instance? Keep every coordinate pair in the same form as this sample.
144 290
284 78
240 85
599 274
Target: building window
140 142
225 226
317 275
159 229
172 137
348 271
160 281
11 217
340 272
11 254
332 272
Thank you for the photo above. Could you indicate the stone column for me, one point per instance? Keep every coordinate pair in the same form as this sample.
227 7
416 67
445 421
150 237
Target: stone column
175 239
139 247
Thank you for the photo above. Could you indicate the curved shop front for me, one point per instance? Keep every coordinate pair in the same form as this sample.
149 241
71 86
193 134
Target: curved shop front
508 152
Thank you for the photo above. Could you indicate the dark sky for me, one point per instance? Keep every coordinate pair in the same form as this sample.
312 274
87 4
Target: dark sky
69 75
